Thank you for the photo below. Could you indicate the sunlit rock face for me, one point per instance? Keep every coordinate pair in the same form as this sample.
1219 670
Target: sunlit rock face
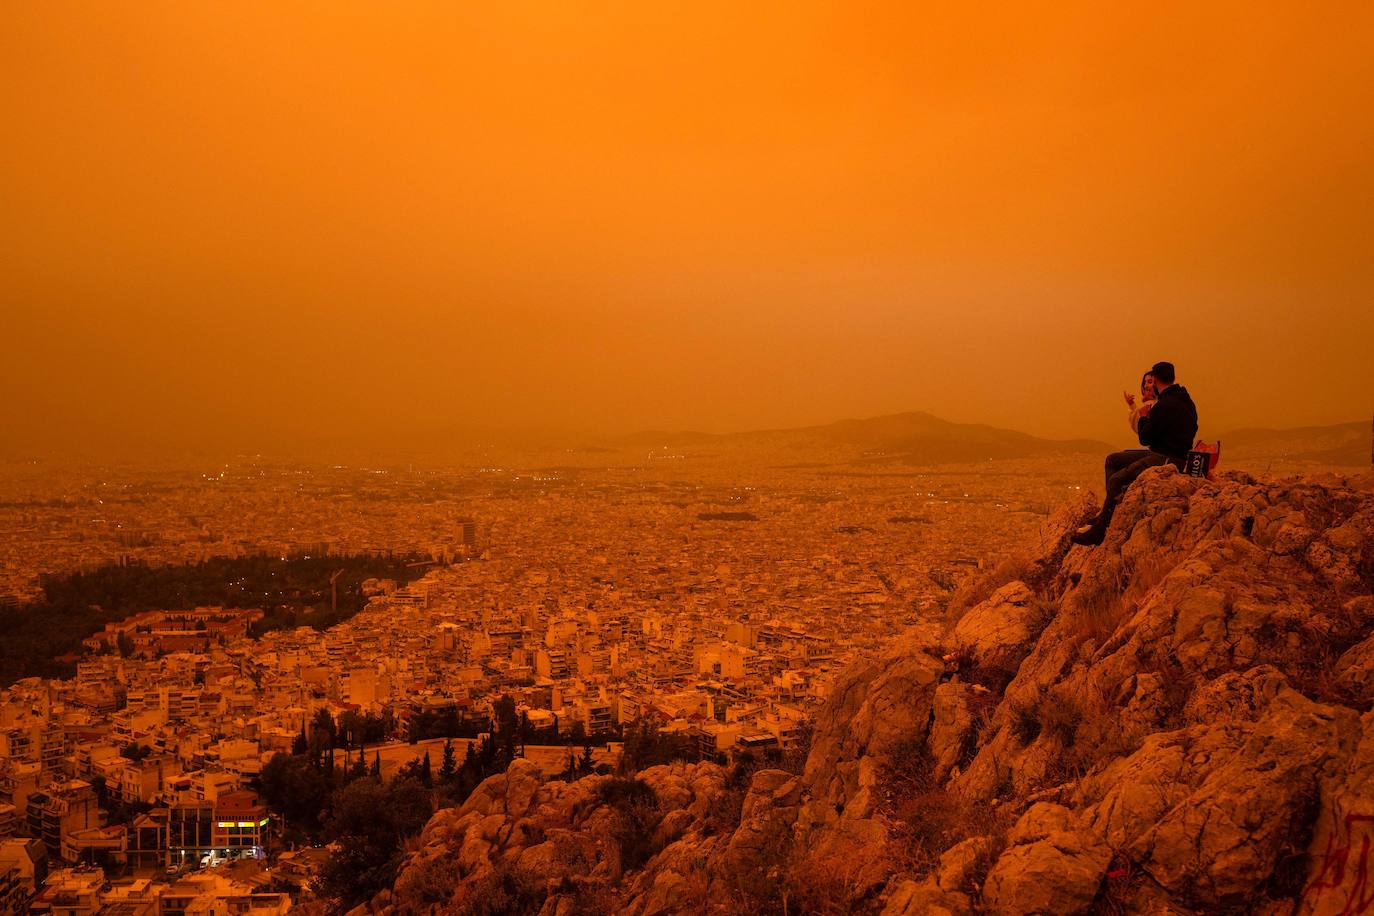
1177 721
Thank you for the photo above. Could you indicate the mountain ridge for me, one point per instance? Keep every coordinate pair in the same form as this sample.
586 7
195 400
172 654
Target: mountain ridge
917 435
1339 444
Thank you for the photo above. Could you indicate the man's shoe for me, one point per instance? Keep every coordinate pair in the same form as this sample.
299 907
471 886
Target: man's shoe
1091 538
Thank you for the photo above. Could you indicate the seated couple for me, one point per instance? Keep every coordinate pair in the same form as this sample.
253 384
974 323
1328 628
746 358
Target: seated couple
1165 421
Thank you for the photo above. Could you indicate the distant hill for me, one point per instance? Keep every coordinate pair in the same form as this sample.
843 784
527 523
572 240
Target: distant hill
1343 444
915 436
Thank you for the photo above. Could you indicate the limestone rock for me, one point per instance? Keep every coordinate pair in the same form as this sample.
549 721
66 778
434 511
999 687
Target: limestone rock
953 726
1001 631
960 865
1339 853
925 898
1355 670
1052 867
875 710
1226 837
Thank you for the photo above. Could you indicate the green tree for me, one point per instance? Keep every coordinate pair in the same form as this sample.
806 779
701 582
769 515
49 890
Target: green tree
503 712
646 746
570 769
370 822
636 815
353 728
323 733
135 751
449 767
296 789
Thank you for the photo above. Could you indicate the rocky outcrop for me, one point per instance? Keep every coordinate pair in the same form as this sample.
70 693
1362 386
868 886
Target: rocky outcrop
1000 632
1177 721
1053 865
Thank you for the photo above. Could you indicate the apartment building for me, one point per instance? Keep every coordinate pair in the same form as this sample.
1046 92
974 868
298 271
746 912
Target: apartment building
55 813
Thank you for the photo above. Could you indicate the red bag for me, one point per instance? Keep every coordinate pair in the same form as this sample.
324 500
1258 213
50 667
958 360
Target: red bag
1202 461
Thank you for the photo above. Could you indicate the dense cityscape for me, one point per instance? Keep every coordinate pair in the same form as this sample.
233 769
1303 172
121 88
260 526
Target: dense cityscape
711 597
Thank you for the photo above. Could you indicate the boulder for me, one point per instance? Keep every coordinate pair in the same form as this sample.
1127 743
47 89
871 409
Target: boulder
1338 857
961 866
1222 841
1355 670
1053 866
1001 631
953 727
876 710
925 898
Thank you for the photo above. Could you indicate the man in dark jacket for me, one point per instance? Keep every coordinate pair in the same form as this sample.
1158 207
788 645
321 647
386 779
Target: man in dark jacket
1167 431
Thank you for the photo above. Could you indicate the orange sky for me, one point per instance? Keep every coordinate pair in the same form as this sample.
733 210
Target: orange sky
246 224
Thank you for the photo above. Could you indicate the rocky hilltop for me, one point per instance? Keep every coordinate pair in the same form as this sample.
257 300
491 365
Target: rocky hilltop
1176 722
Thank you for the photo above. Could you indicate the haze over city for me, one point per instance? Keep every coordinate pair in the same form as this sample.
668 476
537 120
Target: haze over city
686 459
268 226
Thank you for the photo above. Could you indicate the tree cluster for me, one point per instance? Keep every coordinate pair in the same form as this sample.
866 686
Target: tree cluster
76 605
646 746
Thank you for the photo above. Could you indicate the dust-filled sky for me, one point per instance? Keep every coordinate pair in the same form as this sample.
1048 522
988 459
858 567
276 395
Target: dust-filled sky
257 224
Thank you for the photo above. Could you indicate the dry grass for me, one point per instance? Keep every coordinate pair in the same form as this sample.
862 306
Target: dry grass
789 881
1097 610
832 885
1060 719
1306 649
927 819
503 891
1100 736
961 661
1025 722
1148 573
1086 728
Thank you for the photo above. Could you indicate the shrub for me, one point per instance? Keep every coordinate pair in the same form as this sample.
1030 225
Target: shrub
825 886
646 746
431 881
370 822
1060 717
1098 609
926 818
1025 722
1149 572
635 805
503 891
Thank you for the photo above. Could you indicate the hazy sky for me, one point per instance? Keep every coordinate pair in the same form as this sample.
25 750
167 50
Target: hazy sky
243 224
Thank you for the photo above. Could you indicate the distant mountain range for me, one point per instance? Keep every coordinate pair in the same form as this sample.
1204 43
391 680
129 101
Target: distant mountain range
914 436
1342 445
